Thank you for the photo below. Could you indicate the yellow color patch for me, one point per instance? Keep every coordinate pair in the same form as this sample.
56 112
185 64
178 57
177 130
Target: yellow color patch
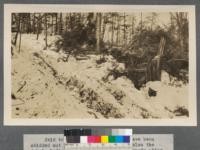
104 139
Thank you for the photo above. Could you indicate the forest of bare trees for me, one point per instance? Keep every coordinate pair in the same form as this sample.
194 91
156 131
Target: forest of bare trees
138 40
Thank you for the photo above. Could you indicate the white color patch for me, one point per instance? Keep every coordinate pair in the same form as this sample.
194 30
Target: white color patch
43 142
83 140
153 142
128 132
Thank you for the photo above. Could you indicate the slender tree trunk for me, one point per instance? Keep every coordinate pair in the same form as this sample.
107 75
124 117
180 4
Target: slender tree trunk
33 23
100 23
98 31
124 29
18 29
56 30
133 26
112 32
23 25
152 23
141 20
103 28
29 24
70 21
46 44
38 26
60 24
20 34
67 22
12 18
118 30
141 27
52 25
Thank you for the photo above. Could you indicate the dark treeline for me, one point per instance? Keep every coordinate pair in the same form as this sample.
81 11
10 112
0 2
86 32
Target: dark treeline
138 40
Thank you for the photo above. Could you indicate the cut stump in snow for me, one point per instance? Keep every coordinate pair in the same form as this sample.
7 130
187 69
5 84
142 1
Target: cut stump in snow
153 69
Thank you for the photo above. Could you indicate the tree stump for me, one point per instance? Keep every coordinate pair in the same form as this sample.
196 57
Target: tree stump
153 72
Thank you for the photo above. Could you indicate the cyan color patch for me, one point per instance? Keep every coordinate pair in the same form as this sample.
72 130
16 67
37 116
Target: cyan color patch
119 139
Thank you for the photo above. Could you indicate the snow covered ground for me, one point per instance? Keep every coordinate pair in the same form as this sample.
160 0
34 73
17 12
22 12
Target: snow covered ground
45 86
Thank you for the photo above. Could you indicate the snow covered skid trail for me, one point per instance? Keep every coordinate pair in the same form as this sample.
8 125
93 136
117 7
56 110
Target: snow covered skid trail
46 86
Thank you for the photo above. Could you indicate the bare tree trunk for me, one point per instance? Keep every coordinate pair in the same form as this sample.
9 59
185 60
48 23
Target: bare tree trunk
12 18
52 25
118 30
141 20
18 29
29 23
46 44
141 27
56 30
132 30
33 23
98 31
66 23
124 29
60 24
152 22
16 35
179 19
70 21
100 23
112 32
20 33
38 26
103 28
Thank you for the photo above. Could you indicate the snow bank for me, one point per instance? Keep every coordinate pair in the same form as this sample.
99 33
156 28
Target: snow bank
77 89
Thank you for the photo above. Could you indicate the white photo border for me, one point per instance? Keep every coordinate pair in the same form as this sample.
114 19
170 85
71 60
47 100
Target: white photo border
31 8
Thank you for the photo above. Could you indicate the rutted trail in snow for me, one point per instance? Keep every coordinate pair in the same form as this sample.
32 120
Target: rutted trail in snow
44 86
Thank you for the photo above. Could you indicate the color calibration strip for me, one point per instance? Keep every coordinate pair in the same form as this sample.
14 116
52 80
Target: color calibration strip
97 139
88 139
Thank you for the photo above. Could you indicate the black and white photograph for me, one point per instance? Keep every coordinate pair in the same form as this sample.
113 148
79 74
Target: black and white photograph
101 64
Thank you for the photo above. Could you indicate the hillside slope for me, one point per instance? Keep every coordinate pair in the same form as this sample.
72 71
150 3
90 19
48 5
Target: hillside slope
44 85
